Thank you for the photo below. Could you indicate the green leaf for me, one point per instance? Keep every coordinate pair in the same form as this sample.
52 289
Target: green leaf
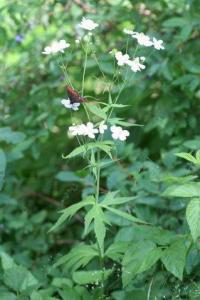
186 190
116 251
139 258
7 261
188 157
78 257
85 277
88 219
193 217
124 214
111 200
2 168
68 176
104 146
174 258
11 137
67 213
19 279
99 227
8 296
96 110
69 293
175 22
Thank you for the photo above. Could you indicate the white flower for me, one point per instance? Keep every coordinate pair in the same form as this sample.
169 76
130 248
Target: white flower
102 127
118 133
56 47
136 65
127 31
85 130
88 24
67 103
158 44
142 39
90 130
122 59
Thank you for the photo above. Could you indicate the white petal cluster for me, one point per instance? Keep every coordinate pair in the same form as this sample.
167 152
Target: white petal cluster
135 64
67 103
118 133
90 131
83 129
145 40
56 47
102 127
88 24
122 59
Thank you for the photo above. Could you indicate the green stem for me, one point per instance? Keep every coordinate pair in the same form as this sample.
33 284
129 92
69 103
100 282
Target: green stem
101 258
84 70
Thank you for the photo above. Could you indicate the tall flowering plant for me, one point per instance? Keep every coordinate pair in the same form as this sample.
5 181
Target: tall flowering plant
93 264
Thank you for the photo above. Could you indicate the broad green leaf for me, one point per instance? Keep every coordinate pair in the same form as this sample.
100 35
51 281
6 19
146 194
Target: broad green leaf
96 110
68 176
19 279
139 258
2 167
11 137
62 282
193 217
186 190
69 293
6 261
175 22
174 258
85 277
67 213
124 214
78 257
9 296
188 157
99 227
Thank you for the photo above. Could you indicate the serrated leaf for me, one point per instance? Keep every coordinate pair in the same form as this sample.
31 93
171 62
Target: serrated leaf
116 251
193 217
174 258
67 213
85 277
186 190
124 214
139 258
111 200
104 146
99 227
78 257
96 110
19 279
187 156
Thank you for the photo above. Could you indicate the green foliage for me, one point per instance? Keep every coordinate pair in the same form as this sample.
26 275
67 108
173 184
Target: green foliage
150 226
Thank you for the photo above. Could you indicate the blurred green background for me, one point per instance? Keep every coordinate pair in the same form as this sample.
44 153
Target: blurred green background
35 181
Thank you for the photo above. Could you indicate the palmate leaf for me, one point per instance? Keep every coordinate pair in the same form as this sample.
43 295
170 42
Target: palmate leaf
188 157
105 146
67 213
96 110
78 257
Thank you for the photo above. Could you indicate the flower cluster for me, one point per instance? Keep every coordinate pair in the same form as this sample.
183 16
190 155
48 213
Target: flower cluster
67 103
56 47
88 24
145 40
135 64
89 130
